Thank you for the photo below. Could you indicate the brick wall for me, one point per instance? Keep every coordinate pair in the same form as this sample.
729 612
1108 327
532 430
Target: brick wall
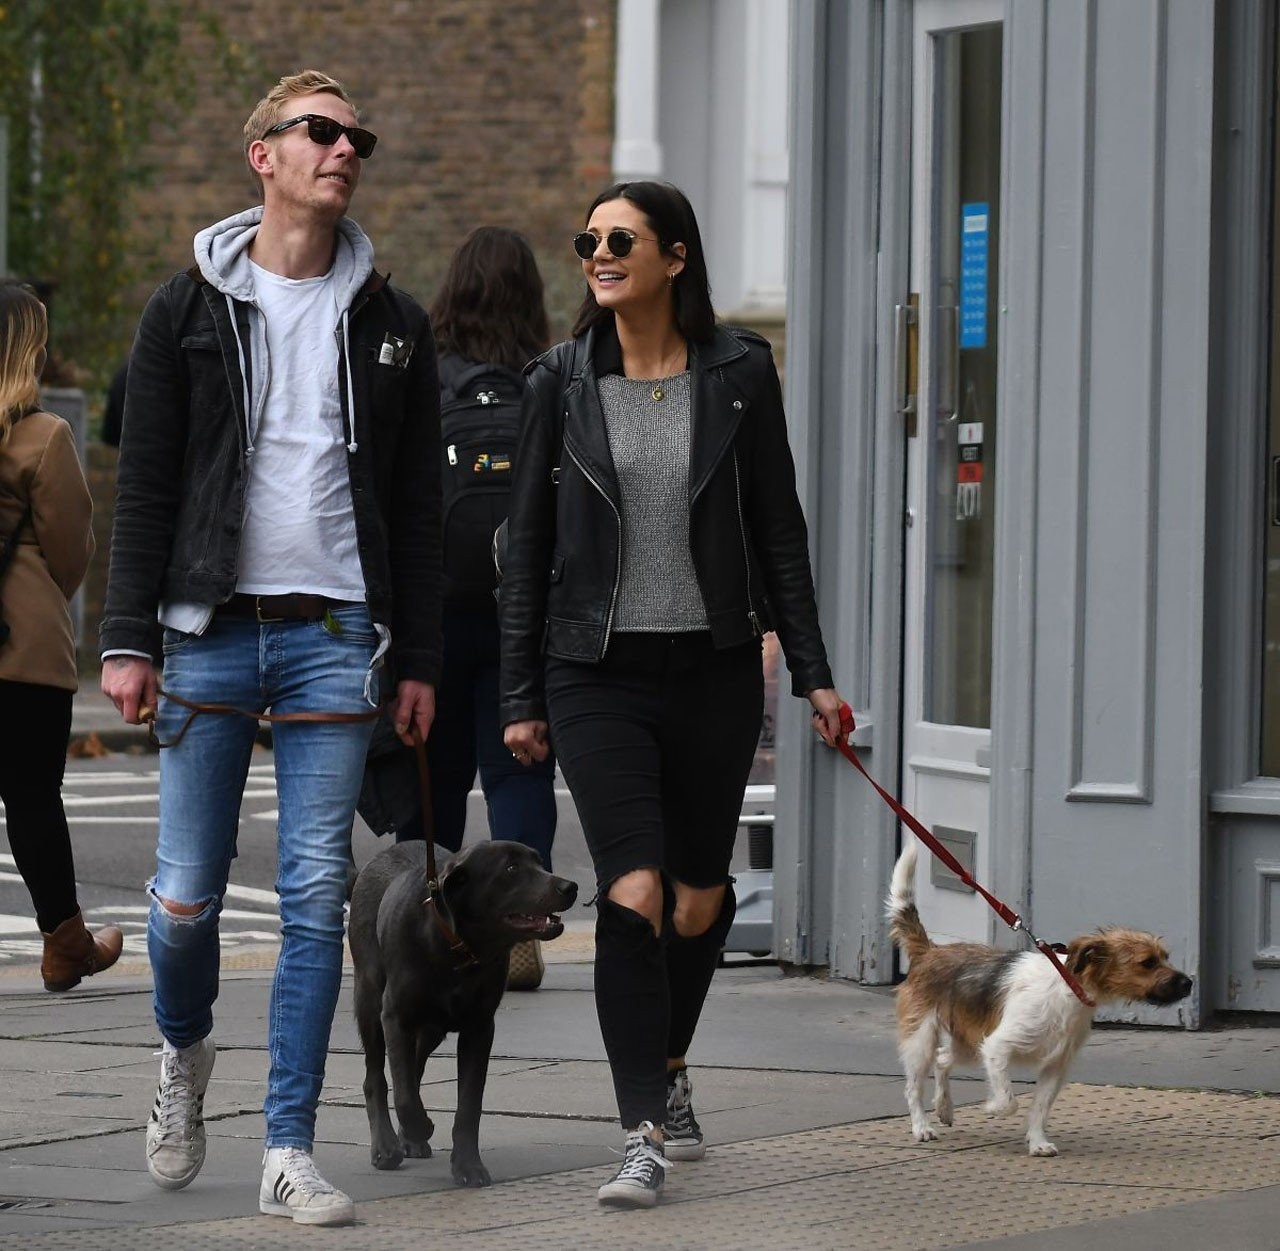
496 112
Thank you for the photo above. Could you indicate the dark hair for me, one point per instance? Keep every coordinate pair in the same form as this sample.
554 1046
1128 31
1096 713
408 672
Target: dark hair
490 305
671 217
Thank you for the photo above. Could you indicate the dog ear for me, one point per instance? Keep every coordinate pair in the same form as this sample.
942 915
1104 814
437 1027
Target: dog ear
1082 952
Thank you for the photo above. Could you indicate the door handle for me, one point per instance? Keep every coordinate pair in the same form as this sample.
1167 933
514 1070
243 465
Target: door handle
905 344
948 342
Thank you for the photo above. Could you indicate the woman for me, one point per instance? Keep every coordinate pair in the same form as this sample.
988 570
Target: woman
655 535
489 320
45 506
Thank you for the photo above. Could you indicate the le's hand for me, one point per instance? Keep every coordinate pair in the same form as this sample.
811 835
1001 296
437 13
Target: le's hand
826 713
527 740
415 706
130 683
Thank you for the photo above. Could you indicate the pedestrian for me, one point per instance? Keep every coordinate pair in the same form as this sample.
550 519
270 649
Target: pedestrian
655 535
46 540
278 513
489 321
113 407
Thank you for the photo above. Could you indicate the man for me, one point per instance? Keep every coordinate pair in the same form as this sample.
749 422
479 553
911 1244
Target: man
278 513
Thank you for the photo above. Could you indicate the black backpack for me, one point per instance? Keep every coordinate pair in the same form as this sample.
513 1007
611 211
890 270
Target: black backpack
480 427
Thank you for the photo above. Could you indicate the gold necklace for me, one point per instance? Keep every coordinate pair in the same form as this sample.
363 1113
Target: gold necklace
658 391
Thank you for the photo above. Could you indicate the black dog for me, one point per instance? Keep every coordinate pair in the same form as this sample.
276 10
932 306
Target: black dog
424 968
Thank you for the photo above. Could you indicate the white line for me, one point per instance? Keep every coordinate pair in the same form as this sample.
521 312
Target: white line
120 911
75 819
10 877
252 894
73 800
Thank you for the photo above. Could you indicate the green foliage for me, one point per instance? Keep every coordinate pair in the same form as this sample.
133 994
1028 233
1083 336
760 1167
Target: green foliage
84 85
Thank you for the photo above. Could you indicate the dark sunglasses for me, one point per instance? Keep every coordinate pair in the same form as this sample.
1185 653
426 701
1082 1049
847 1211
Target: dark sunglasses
618 241
326 132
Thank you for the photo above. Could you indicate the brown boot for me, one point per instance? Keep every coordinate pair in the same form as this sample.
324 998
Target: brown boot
71 953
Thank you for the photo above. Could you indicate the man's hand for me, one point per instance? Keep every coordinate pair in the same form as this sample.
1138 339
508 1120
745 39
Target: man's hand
415 705
130 683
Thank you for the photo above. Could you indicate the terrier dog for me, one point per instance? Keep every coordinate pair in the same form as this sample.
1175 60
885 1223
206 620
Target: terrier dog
965 1001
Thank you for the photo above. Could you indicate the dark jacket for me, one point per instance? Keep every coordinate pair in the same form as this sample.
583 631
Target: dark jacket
183 468
747 533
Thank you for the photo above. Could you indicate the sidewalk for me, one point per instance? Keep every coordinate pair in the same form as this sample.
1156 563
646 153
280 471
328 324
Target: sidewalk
796 1084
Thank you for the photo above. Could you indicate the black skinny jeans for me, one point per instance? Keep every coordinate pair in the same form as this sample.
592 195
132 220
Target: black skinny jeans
31 769
656 744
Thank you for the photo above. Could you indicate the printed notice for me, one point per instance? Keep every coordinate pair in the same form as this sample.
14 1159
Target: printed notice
974 255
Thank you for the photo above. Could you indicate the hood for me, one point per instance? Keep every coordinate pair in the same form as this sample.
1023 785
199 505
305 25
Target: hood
222 254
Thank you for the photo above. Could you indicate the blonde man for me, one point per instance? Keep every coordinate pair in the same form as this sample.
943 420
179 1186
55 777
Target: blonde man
278 514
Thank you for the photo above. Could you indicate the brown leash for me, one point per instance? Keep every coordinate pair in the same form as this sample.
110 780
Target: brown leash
273 718
433 899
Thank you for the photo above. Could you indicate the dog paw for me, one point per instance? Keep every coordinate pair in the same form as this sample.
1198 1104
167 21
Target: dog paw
1042 1148
415 1150
386 1158
1000 1107
945 1112
471 1174
923 1133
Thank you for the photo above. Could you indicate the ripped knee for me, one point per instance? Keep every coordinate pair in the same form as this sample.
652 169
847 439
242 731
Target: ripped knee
699 911
177 909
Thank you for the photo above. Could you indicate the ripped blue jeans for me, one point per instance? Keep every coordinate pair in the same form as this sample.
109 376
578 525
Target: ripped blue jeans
292 666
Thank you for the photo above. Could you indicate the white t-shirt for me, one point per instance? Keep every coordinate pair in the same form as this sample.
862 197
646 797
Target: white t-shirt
298 531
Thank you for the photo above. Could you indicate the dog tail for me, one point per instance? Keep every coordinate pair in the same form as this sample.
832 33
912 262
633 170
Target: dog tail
905 927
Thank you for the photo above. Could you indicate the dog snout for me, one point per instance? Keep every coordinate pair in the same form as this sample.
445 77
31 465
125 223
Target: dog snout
1174 987
566 890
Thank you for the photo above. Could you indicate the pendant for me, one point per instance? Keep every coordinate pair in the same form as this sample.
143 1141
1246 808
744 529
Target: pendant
658 393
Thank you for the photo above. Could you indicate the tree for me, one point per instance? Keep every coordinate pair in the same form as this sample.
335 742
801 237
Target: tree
84 85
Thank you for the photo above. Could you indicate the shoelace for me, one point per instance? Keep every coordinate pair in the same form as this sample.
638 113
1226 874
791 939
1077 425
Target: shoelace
176 1099
639 1156
679 1103
300 1171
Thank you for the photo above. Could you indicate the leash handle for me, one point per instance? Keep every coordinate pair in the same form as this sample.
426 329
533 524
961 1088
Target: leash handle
195 709
428 812
927 837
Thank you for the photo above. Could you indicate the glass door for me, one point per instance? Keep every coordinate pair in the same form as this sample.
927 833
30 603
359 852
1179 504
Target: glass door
952 483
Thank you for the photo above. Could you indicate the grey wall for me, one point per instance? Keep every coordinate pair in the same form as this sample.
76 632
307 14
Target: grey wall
1097 788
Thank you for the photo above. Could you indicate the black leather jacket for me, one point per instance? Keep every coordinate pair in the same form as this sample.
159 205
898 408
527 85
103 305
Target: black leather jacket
746 530
182 472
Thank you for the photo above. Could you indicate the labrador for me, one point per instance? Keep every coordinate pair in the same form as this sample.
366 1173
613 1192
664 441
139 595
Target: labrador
425 968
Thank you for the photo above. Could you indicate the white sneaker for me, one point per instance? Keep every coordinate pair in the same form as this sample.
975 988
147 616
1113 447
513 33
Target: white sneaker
175 1129
292 1186
638 1183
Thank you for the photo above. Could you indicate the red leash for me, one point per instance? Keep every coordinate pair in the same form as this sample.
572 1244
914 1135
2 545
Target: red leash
1001 909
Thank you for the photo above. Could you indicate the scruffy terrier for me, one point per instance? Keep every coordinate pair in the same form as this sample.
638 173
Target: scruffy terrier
962 1001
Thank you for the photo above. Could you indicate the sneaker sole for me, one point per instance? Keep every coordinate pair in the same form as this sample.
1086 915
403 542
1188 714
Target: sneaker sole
626 1197
308 1216
684 1151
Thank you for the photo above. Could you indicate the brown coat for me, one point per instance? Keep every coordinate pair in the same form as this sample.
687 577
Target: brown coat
39 464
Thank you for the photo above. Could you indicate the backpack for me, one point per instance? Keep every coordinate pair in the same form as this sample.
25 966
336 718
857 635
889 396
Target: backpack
480 428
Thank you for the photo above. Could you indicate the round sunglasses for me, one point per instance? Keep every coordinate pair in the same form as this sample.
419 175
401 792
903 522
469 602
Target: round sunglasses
618 241
325 132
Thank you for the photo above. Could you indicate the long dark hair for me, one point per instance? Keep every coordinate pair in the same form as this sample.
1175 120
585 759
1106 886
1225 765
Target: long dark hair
671 217
490 305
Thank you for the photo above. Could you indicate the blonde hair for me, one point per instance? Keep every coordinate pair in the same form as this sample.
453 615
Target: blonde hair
270 109
24 330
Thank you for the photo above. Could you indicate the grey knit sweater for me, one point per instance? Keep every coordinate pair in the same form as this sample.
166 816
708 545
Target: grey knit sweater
649 440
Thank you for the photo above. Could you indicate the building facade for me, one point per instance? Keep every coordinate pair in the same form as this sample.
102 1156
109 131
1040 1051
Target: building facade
1032 386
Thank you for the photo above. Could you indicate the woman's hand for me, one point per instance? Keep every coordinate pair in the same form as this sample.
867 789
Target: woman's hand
527 740
826 703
